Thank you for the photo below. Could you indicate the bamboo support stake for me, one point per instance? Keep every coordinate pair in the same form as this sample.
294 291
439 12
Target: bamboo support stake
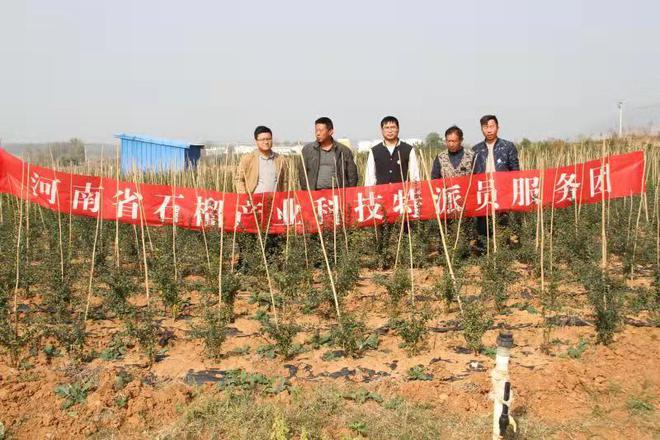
233 239
493 205
334 224
27 225
265 260
639 214
97 236
541 224
270 198
41 215
404 216
221 228
398 243
325 254
443 239
59 219
117 208
603 212
552 223
91 268
174 220
460 214
630 215
657 232
304 238
70 243
644 194
144 247
343 214
196 184
579 203
634 251
23 200
406 186
143 214
288 226
101 175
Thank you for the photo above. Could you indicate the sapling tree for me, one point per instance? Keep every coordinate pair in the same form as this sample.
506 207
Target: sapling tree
605 294
496 274
231 284
12 338
212 330
144 328
396 285
164 278
475 321
413 331
293 278
282 335
447 289
120 287
352 336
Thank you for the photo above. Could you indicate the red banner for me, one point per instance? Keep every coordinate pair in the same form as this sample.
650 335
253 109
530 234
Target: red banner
305 211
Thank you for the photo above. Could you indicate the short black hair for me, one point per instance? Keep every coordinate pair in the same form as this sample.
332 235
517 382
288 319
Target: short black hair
261 129
454 129
387 119
485 118
325 121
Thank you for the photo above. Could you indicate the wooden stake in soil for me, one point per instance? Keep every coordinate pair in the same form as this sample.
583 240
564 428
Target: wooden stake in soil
262 245
117 208
325 254
23 200
639 215
59 218
144 247
233 239
657 232
443 239
406 189
221 228
603 211
174 220
541 227
196 185
92 263
460 214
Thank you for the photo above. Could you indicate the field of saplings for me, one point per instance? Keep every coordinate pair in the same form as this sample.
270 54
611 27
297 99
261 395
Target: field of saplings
113 330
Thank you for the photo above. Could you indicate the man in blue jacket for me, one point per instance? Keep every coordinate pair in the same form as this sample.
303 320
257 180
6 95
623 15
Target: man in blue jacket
494 154
490 156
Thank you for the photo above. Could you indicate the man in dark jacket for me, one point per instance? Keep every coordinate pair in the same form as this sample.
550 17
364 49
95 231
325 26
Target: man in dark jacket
494 154
490 156
326 163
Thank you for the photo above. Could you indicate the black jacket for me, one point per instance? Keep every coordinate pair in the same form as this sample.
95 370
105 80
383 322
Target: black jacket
505 152
347 174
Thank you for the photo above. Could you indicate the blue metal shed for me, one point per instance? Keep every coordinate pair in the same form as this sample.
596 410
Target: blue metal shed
145 153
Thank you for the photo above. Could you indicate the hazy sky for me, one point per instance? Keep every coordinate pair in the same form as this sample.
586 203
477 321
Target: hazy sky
213 70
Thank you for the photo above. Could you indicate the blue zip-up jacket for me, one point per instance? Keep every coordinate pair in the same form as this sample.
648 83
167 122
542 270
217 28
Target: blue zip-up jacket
505 152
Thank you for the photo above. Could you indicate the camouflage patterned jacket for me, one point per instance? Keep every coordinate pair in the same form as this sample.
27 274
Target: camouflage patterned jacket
442 167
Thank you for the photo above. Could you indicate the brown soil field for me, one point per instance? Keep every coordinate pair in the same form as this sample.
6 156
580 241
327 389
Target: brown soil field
599 393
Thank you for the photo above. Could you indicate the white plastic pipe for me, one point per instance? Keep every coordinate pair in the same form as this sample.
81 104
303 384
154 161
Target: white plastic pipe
499 377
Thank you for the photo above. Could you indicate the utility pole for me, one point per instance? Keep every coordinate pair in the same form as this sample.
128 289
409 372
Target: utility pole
620 105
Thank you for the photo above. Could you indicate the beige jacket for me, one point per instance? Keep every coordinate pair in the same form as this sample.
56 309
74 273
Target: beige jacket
247 174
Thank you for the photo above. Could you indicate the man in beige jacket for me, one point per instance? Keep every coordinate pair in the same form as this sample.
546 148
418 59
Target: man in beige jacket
263 170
